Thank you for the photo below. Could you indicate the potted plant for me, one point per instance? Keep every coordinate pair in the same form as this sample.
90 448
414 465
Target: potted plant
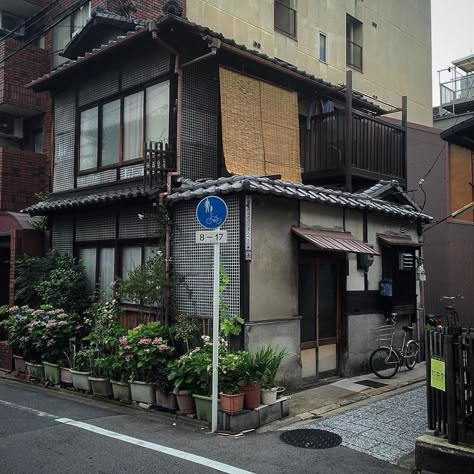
231 395
181 378
119 377
144 351
271 358
81 369
165 398
99 378
251 373
15 326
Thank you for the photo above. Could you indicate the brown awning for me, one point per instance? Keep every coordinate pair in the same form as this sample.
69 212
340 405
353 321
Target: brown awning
399 241
334 241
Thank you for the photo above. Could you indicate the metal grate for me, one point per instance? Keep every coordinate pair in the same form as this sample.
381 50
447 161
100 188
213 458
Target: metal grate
200 121
62 235
98 87
192 263
139 222
311 439
95 226
93 179
371 383
132 171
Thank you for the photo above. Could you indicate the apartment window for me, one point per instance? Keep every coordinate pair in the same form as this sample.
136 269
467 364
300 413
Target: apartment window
9 22
38 141
99 270
122 127
353 43
323 47
285 17
64 31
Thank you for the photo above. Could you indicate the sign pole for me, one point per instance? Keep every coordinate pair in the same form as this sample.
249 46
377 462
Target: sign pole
215 337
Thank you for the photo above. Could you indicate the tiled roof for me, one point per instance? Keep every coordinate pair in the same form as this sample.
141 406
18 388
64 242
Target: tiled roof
103 13
61 202
202 30
263 185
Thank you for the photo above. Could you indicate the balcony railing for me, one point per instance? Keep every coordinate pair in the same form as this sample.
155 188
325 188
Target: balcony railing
353 55
285 19
378 148
159 159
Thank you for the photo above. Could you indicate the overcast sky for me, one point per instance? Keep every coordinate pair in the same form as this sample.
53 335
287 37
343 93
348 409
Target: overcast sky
452 35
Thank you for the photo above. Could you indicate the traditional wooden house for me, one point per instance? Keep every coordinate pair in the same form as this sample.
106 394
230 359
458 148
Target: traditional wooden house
312 176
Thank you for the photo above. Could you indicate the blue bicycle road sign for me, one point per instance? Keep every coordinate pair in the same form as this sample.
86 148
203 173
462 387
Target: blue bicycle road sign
211 212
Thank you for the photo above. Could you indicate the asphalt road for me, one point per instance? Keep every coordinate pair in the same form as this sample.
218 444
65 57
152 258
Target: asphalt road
42 431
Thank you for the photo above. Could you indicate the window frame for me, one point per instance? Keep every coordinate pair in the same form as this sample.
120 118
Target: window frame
325 60
350 20
112 98
294 10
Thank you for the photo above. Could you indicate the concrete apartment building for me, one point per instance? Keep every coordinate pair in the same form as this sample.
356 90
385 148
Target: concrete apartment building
386 43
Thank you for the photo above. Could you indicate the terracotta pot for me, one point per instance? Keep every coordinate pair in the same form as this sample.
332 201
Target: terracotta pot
269 396
20 365
143 392
66 376
185 402
81 380
166 401
52 373
35 370
121 391
252 396
101 386
232 403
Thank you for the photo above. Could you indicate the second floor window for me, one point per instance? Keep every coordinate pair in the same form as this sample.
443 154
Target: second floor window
323 47
114 132
353 43
285 17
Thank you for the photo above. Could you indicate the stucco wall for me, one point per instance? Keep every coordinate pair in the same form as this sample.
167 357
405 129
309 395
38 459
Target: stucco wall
274 267
396 42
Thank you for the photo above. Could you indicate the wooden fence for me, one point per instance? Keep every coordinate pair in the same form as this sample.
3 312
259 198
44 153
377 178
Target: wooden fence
450 368
159 159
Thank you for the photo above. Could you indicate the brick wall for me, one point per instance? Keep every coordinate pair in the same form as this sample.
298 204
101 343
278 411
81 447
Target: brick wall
22 174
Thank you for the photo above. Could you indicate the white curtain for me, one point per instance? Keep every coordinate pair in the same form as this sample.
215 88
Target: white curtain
88 260
110 133
131 259
157 112
133 126
106 273
88 141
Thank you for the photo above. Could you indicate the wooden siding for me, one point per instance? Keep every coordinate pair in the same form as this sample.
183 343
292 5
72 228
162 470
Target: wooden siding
461 180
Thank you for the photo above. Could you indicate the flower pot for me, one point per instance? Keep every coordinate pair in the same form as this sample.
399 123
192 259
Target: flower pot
81 380
185 402
121 391
204 407
66 376
101 386
232 403
280 391
167 401
52 372
35 370
20 365
252 396
269 395
143 392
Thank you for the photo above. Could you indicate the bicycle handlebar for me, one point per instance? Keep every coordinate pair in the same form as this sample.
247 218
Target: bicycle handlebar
451 298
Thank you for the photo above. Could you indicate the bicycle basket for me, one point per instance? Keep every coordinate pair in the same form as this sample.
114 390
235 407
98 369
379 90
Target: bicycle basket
384 334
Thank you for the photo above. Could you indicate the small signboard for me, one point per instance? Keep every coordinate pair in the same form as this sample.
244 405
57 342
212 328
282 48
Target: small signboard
438 374
211 237
211 212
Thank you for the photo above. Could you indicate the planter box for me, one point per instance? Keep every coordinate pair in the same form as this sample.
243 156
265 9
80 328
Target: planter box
204 407
121 391
101 386
35 370
66 377
166 401
81 380
52 372
143 392
20 365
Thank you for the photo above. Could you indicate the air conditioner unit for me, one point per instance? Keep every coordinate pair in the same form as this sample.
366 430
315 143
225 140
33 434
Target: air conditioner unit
406 261
11 127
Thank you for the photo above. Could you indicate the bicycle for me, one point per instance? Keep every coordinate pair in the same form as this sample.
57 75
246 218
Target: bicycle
386 361
453 317
213 220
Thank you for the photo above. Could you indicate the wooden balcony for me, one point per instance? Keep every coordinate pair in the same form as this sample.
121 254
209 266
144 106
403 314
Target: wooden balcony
159 159
376 151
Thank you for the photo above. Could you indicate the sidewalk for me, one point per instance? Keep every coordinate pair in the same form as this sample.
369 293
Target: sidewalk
314 402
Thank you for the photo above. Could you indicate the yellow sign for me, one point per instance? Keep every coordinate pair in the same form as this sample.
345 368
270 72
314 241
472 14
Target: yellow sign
438 374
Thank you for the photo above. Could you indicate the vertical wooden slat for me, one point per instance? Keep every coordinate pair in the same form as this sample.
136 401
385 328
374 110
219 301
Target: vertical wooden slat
451 389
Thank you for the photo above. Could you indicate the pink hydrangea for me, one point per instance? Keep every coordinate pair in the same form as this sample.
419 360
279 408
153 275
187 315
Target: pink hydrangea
163 347
62 323
127 348
124 340
146 350
138 328
129 357
62 315
157 341
144 341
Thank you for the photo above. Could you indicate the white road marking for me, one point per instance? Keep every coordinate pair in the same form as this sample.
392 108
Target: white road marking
218 466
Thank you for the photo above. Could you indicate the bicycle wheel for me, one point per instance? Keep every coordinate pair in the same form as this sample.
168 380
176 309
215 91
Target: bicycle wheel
410 354
384 363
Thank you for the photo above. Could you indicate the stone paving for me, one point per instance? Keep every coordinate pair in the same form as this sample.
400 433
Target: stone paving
385 429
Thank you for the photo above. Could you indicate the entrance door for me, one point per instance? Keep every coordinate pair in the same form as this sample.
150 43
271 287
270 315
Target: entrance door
319 308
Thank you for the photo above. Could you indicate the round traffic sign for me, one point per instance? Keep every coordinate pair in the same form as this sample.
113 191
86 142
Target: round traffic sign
211 212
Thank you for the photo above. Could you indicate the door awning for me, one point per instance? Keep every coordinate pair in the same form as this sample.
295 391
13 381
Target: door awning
398 241
334 241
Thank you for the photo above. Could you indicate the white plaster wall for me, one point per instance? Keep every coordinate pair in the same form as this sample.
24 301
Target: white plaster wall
321 217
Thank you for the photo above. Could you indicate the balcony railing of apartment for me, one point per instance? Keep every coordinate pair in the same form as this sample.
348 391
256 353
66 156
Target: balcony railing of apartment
457 95
285 18
353 55
378 147
159 159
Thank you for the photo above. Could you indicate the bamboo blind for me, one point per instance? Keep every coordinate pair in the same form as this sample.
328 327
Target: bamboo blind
260 129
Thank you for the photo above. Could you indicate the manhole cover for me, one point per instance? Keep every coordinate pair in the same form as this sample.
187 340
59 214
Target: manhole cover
371 383
311 439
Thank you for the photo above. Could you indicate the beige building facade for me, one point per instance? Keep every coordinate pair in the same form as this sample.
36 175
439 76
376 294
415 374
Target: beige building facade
387 43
